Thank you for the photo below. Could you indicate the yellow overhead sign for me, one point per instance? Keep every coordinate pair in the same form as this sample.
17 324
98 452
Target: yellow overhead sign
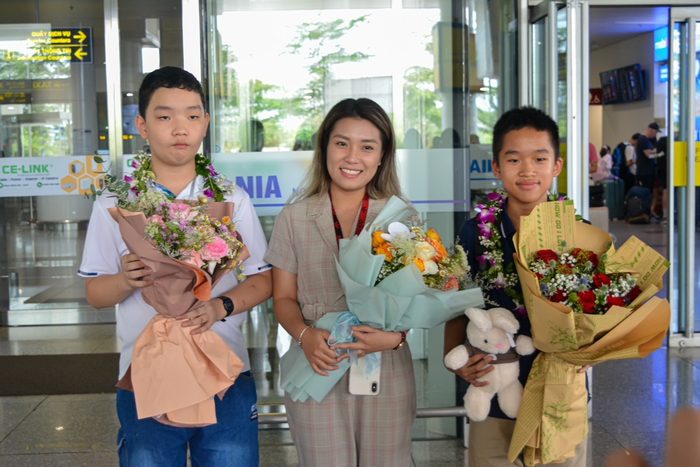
74 44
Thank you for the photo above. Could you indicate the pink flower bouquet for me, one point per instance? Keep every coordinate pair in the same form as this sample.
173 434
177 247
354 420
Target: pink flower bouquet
189 248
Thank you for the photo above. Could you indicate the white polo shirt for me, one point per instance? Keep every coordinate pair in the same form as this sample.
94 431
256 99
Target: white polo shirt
630 155
104 248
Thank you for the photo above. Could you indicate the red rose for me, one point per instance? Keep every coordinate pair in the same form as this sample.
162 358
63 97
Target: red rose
575 252
615 301
587 299
547 256
632 294
584 256
559 296
600 280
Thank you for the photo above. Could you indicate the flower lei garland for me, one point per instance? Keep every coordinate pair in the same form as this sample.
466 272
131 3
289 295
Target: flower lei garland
142 180
493 274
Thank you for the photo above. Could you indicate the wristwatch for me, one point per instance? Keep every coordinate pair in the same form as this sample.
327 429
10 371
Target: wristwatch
228 306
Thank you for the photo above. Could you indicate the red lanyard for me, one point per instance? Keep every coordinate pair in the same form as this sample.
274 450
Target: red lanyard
360 221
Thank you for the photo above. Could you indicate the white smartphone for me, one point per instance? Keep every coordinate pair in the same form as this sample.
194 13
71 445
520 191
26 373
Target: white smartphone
361 386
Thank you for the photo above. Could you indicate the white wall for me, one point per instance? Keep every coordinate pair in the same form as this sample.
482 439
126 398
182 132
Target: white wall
620 121
595 126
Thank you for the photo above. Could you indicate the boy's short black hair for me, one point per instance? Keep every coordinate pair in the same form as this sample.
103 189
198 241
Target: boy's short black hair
524 117
167 77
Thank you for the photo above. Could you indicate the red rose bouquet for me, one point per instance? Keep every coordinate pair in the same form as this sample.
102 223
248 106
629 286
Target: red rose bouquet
587 304
578 279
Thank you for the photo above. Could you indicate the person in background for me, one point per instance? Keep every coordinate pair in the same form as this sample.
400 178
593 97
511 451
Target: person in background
593 159
605 164
631 159
662 175
646 152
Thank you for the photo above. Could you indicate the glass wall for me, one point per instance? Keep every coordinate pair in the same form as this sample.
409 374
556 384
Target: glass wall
443 71
54 121
150 36
52 77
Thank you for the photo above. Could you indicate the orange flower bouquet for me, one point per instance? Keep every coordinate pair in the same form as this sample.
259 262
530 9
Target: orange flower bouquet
402 246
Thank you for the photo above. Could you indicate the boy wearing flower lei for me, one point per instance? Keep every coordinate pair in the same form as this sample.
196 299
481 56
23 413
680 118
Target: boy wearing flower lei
526 158
172 117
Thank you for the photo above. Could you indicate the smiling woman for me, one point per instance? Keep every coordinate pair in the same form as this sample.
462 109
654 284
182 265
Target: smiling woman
352 175
354 155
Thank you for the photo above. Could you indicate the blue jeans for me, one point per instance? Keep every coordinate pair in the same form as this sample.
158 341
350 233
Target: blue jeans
232 441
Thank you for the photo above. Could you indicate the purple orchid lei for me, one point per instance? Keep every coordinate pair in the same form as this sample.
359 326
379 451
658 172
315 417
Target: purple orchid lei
494 275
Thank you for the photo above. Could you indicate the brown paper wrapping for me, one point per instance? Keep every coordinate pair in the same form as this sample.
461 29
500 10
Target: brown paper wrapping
553 414
174 374
177 286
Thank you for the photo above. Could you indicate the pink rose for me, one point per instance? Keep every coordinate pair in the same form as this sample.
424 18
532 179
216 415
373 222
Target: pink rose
179 211
215 250
156 219
195 259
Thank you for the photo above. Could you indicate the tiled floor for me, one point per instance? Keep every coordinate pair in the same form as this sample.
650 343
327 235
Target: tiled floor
632 400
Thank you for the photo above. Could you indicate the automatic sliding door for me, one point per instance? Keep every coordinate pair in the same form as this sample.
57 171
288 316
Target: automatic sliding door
684 113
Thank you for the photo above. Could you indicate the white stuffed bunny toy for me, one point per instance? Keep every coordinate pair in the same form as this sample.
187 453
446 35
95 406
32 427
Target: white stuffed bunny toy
491 332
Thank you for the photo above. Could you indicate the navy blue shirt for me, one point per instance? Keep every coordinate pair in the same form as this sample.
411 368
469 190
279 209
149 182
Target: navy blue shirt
468 238
645 166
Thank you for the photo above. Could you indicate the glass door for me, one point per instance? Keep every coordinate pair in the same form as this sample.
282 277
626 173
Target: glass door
557 52
52 97
444 73
682 167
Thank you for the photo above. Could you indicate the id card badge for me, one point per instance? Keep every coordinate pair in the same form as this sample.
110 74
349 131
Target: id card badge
361 386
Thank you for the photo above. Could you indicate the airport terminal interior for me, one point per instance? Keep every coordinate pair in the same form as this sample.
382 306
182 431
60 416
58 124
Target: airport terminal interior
443 70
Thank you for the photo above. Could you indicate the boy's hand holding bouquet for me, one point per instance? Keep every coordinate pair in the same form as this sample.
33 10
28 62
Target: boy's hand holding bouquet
587 303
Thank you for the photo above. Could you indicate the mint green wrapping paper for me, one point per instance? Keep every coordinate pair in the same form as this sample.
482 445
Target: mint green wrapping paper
400 302
297 376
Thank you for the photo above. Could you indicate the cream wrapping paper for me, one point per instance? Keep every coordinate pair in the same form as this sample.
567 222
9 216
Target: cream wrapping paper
173 374
553 414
